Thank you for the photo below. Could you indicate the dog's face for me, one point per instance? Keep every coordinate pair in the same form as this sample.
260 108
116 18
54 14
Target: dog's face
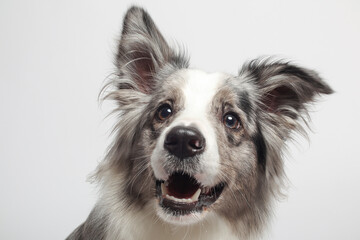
191 143
200 134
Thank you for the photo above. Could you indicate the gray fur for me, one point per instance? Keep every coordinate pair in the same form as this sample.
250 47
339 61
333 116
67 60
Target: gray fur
270 97
92 229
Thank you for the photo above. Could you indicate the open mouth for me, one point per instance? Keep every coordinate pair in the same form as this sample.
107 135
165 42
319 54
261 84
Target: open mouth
182 194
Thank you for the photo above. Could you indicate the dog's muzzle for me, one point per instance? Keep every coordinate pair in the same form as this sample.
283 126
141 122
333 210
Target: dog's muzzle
181 193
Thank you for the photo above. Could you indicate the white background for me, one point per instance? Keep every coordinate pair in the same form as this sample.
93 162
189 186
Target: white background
55 56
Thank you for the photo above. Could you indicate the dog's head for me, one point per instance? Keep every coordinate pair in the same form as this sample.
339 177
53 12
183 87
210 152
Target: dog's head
192 143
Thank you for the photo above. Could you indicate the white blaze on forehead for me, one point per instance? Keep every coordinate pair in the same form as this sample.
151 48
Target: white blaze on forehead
198 93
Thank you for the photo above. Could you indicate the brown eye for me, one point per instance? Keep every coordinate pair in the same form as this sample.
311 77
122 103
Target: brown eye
230 120
164 112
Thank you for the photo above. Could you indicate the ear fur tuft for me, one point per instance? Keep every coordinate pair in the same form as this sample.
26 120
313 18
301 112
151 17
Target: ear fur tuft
284 89
143 51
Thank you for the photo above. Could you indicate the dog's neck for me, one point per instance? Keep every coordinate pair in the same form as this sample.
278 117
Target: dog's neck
134 223
145 224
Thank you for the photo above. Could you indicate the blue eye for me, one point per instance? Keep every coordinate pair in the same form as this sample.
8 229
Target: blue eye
230 120
164 112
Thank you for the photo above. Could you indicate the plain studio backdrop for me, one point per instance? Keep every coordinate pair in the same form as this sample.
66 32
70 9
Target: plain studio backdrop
56 55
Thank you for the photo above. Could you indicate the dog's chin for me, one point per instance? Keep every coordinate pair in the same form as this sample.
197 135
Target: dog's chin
180 220
182 200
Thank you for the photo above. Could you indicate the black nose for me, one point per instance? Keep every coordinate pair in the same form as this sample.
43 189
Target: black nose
184 142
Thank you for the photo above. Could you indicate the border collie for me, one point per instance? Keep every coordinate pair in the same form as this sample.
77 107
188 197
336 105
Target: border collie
196 155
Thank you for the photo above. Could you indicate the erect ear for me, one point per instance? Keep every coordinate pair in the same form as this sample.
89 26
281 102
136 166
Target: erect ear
142 50
284 89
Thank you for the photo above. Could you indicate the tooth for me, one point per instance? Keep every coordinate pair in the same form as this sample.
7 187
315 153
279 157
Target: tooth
174 198
205 190
163 189
196 195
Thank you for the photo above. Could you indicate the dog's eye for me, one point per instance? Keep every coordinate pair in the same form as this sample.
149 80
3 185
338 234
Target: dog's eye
164 112
230 120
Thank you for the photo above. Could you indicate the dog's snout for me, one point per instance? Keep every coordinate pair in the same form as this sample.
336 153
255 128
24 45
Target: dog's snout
184 142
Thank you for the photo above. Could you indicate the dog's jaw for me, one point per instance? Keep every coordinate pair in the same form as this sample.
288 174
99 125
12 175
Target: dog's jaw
198 90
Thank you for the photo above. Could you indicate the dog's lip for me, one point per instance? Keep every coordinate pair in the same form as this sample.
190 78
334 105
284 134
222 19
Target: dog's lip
198 198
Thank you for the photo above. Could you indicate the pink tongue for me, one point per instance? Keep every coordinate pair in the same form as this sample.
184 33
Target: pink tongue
182 186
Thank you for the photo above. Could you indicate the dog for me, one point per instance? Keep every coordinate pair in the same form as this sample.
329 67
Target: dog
196 155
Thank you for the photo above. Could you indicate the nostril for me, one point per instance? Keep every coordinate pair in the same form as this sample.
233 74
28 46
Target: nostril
196 144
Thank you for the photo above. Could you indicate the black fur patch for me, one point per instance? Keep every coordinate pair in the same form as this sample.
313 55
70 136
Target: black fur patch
260 145
244 102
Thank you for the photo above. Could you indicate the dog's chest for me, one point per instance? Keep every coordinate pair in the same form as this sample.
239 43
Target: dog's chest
147 226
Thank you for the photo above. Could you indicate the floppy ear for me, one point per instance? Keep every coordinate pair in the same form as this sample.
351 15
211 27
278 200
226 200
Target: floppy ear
142 51
284 89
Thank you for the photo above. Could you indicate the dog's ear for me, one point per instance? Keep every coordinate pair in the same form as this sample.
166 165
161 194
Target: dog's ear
284 89
142 51
282 92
